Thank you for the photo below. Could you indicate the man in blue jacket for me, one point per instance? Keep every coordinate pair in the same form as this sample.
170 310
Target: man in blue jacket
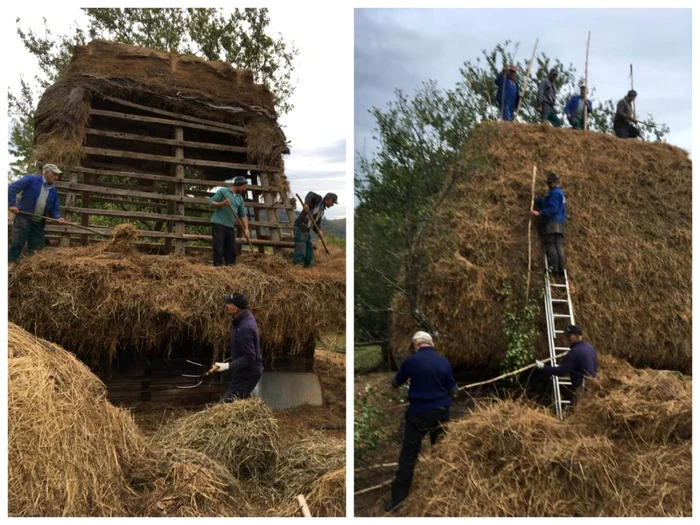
431 387
508 94
246 358
552 210
574 109
39 197
580 362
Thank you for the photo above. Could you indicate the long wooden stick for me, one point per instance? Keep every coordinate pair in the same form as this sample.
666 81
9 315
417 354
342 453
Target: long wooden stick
375 487
529 237
514 372
527 77
315 225
303 507
379 465
634 102
242 226
65 223
585 97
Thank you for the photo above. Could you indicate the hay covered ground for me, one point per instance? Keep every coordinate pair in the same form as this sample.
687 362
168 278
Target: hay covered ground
626 451
72 453
108 298
628 244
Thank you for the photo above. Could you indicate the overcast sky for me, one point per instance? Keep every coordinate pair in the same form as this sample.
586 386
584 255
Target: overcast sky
317 159
400 48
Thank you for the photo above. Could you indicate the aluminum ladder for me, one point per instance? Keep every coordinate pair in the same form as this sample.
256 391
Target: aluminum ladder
558 307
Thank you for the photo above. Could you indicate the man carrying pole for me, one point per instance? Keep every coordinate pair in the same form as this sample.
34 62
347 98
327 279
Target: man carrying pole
310 217
547 99
223 220
576 109
508 94
624 117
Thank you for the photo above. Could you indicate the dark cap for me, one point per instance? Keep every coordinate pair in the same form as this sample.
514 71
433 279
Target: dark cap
237 299
239 181
554 72
332 196
631 93
552 177
573 329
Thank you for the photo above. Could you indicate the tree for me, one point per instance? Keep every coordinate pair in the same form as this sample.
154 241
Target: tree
420 138
240 39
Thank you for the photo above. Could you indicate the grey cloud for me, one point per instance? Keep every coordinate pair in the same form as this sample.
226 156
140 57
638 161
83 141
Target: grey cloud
333 153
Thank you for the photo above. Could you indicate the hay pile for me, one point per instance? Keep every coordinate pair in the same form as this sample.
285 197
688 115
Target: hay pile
181 83
71 453
511 459
628 244
241 436
102 302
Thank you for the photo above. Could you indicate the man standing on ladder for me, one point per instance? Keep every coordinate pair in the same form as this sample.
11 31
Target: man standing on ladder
508 94
223 221
315 205
581 361
552 210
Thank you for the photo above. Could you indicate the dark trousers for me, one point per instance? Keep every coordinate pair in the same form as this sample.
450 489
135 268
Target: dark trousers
626 131
549 114
554 245
241 387
417 426
224 240
29 232
303 249
576 122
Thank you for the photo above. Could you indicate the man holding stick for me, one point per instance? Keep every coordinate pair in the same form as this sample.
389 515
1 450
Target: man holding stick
575 108
547 99
39 198
223 220
508 94
624 116
314 207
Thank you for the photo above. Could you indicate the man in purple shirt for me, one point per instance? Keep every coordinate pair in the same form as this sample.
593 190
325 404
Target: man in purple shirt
245 362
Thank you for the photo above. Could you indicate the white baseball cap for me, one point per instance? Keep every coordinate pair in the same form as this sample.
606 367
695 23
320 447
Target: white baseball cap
51 167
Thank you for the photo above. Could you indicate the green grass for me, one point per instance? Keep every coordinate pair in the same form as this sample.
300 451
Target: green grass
335 342
367 357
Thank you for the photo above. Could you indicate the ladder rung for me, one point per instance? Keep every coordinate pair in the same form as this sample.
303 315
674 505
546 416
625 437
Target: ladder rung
557 285
565 383
560 301
565 402
561 315
562 348
558 331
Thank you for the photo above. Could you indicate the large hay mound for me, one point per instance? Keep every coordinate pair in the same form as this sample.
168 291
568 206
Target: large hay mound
241 436
181 83
102 302
512 459
71 453
628 244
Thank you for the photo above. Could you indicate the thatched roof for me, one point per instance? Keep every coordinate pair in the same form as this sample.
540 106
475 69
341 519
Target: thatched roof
628 245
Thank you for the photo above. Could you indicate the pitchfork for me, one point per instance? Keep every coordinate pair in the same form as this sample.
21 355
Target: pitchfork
199 376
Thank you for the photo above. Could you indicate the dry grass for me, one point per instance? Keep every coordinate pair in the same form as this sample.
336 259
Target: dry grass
108 298
628 244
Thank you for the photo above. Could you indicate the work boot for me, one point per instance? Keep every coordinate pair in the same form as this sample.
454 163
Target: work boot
390 505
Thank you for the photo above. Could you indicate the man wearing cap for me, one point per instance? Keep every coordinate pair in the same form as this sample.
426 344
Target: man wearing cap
624 117
315 205
552 210
245 362
508 94
39 198
575 106
547 99
431 388
580 361
228 201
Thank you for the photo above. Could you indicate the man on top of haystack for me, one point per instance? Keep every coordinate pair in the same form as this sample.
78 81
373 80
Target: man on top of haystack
624 117
314 206
228 202
508 93
39 199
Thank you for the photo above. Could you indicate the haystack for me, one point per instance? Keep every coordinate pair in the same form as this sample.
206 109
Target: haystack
71 453
241 436
628 244
104 302
513 459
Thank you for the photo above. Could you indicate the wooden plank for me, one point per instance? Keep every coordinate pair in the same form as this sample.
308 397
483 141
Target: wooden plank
173 160
167 122
180 192
178 116
168 142
70 201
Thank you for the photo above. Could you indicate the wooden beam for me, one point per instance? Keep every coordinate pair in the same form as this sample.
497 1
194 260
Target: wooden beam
178 116
167 122
173 160
180 192
168 142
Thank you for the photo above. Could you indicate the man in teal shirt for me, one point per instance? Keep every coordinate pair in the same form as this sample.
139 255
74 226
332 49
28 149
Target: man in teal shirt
223 221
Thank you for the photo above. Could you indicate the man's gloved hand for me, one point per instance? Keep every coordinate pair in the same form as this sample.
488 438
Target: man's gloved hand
539 364
218 367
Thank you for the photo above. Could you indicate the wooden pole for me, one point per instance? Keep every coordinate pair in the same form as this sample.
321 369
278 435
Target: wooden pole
585 98
315 225
527 78
514 372
303 507
529 237
634 102
375 487
242 227
65 223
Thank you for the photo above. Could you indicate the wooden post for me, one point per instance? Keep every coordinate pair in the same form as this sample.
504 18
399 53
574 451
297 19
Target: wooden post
70 201
269 199
585 98
527 78
303 507
634 102
180 192
85 203
529 237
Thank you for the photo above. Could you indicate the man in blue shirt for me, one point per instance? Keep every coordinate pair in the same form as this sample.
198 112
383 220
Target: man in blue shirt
552 210
39 198
431 387
223 221
575 106
508 93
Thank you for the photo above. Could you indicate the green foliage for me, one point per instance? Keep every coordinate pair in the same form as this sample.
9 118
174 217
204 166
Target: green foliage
367 357
372 420
334 240
240 39
519 325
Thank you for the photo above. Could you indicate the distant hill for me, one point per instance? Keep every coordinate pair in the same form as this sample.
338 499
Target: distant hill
334 227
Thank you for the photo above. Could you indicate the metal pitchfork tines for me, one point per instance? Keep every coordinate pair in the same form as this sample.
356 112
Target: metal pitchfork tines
197 376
